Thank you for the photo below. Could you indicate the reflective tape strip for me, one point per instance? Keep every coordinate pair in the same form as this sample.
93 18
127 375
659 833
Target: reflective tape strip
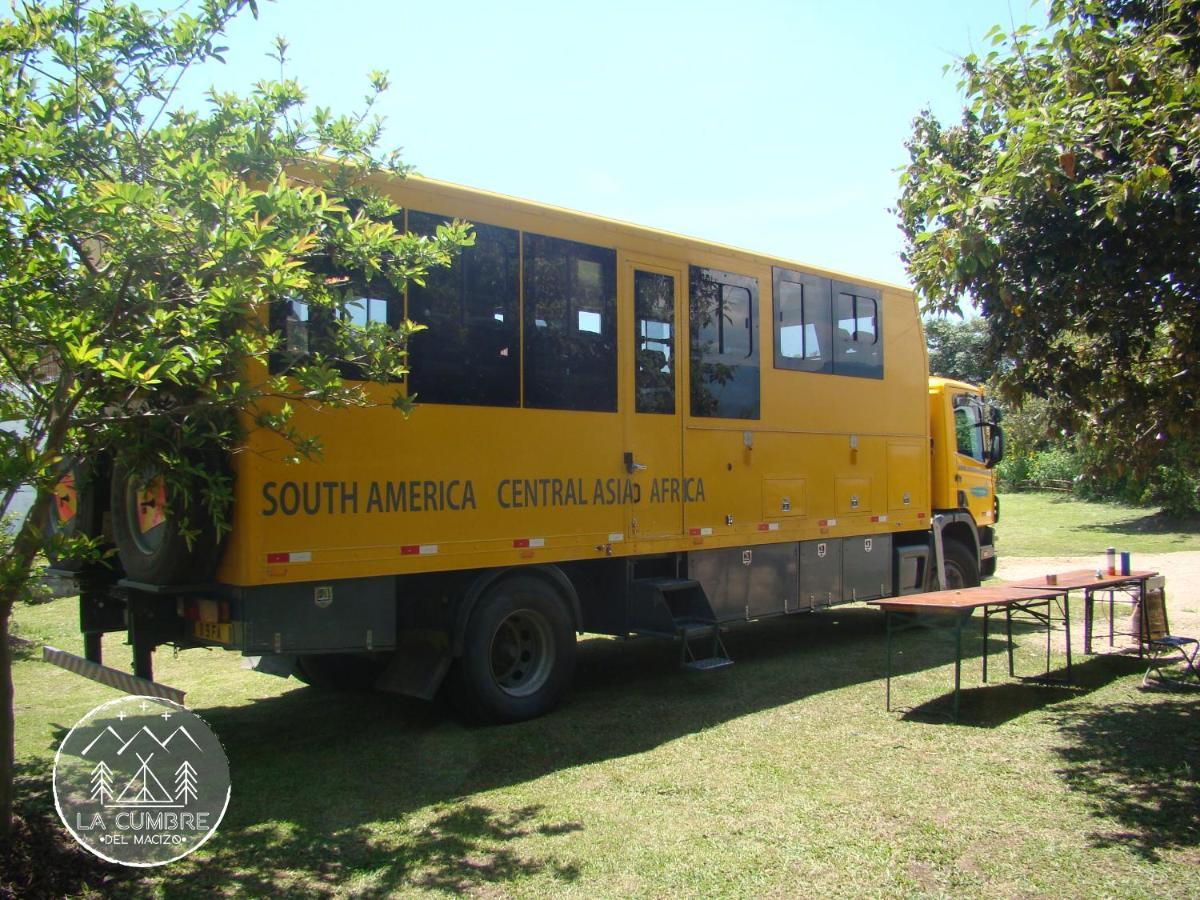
616 538
878 518
419 550
529 542
695 532
827 523
768 526
293 557
114 678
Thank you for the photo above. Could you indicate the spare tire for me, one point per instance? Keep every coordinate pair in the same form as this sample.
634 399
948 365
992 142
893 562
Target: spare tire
76 510
147 528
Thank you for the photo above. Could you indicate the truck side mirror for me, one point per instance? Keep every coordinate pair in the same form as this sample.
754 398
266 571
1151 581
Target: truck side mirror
995 445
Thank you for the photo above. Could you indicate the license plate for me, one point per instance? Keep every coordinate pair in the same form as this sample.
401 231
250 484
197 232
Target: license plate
212 631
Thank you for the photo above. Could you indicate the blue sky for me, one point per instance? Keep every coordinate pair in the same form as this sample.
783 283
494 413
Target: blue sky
773 126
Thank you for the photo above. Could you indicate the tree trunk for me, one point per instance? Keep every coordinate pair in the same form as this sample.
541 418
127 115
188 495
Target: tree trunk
7 727
16 570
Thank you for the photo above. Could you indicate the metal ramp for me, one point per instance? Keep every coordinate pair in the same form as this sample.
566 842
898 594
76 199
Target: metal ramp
678 608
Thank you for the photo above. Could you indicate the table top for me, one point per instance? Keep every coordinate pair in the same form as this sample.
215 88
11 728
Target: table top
967 599
1083 578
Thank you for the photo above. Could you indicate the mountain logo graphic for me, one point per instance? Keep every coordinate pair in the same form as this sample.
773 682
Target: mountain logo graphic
141 781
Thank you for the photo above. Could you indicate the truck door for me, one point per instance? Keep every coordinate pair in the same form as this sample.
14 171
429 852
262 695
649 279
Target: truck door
973 479
653 414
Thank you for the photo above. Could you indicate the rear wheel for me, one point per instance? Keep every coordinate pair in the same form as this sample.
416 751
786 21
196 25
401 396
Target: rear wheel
76 510
518 653
148 530
962 569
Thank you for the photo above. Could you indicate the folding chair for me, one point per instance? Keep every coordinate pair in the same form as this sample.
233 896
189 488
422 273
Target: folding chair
1168 650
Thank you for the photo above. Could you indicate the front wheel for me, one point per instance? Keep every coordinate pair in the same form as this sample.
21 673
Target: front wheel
518 653
962 568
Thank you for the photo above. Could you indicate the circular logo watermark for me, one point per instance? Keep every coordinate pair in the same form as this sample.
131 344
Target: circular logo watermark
141 781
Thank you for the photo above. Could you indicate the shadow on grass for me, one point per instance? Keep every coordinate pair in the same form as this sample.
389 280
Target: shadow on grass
1154 523
1003 700
1139 763
40 858
373 794
368 793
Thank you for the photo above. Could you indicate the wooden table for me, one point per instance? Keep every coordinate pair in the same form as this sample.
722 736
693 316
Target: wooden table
1090 583
956 607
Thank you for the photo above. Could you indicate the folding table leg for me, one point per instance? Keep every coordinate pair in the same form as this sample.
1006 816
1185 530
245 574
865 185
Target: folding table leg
986 616
1088 618
887 620
1066 609
957 663
1008 627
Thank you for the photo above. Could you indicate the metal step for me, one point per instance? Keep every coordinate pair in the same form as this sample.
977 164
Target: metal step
678 608
667 584
710 664
694 628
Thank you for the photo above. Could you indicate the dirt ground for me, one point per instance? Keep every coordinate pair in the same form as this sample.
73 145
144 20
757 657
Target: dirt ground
1182 571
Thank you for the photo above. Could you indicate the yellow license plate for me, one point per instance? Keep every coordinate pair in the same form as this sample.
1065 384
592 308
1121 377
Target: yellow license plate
212 631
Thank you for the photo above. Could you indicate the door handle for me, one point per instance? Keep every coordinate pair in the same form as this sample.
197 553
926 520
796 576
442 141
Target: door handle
631 466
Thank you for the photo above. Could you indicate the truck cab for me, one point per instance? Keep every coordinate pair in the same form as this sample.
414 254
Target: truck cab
966 443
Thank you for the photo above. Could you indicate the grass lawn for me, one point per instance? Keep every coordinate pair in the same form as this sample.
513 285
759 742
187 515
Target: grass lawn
783 775
1046 524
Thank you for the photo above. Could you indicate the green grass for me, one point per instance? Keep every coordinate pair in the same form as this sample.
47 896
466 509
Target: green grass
783 775
1045 524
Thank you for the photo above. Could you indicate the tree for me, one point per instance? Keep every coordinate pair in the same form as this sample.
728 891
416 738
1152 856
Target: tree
1066 205
185 782
142 246
958 348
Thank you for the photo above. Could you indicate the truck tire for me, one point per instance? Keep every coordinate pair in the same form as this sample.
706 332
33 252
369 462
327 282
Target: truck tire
339 671
75 510
146 529
962 568
518 652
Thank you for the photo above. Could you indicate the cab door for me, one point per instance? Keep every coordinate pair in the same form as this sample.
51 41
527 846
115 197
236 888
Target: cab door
974 480
650 398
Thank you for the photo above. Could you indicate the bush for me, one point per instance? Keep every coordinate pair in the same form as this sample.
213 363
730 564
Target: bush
1050 468
1175 489
1012 473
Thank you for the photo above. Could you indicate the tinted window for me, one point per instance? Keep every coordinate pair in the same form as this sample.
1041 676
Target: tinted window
858 347
570 325
309 333
968 432
654 342
802 322
469 352
724 348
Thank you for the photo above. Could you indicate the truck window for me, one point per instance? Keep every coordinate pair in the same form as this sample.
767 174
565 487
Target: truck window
724 349
308 331
969 434
654 342
858 349
570 351
802 322
469 354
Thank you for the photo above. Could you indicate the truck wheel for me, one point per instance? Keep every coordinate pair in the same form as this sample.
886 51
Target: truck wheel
74 511
147 532
518 652
962 569
339 671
